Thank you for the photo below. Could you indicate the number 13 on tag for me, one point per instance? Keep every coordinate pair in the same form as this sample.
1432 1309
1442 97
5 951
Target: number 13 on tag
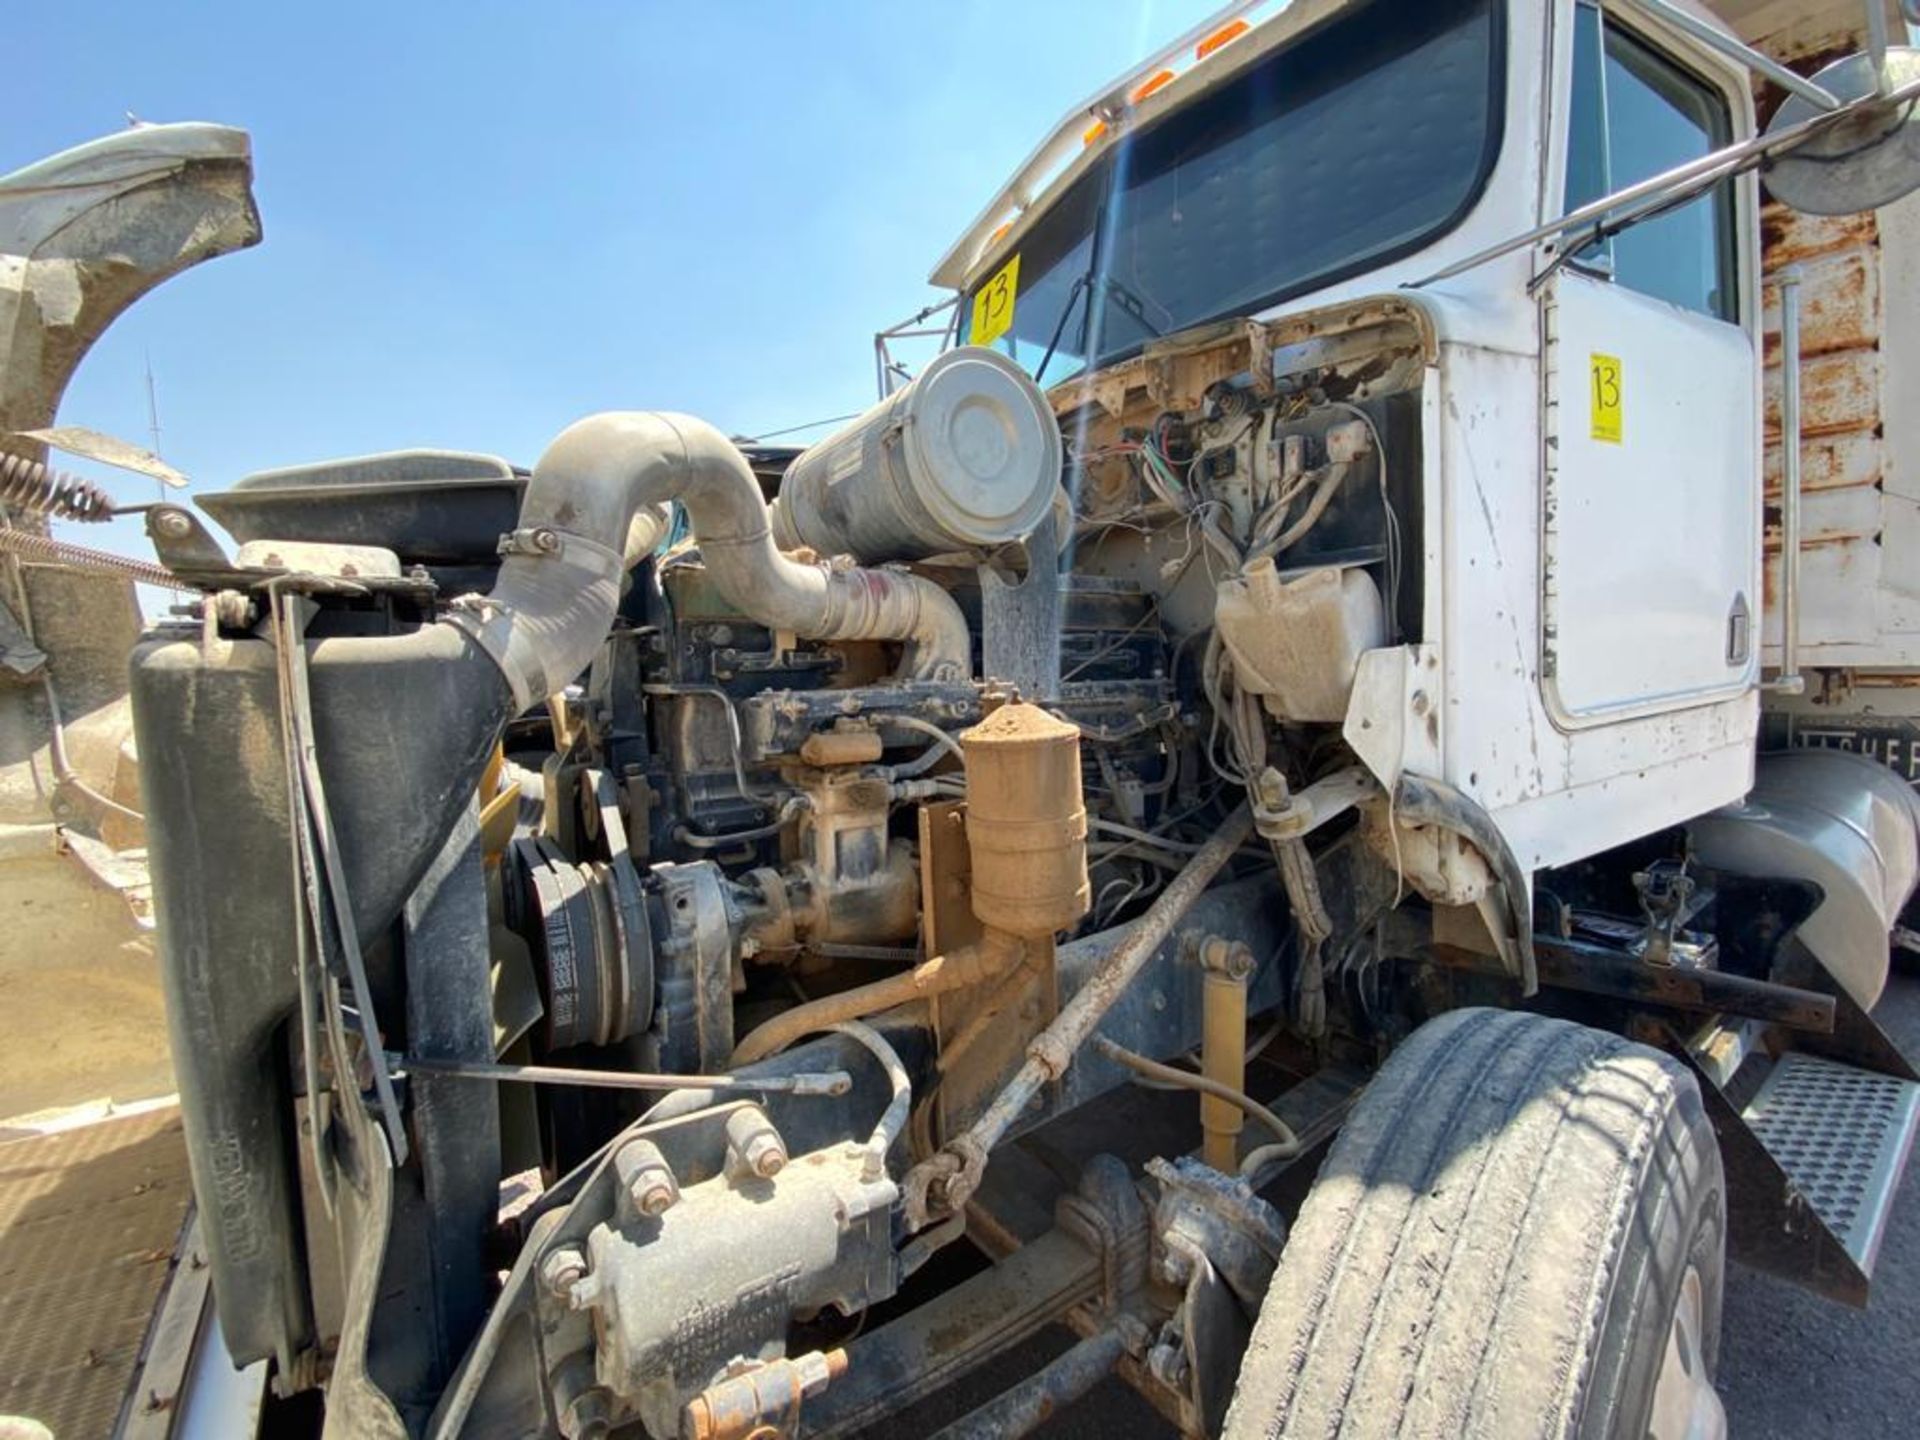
1609 386
993 305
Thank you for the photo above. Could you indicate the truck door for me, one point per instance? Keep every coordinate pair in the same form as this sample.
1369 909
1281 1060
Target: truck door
1651 472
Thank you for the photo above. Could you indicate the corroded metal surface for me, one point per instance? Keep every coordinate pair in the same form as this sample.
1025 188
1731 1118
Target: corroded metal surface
1860 592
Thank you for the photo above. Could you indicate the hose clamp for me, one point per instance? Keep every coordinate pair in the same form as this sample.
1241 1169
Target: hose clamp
543 542
530 540
489 625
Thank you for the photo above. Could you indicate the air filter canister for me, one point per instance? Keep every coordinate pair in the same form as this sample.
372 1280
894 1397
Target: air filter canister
966 456
1026 821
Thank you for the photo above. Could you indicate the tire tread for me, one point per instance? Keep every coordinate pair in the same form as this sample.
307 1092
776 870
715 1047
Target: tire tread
1454 1276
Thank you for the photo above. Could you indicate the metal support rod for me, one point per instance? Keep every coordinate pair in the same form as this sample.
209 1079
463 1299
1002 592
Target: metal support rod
1031 1403
1717 39
1789 681
943 1183
1590 970
934 1344
824 1082
1054 1048
1714 165
1227 967
320 850
1877 42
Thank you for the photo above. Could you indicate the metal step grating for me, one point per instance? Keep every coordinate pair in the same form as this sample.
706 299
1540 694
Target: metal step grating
1843 1135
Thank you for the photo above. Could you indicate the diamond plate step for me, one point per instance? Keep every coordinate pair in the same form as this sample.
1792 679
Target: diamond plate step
1843 1136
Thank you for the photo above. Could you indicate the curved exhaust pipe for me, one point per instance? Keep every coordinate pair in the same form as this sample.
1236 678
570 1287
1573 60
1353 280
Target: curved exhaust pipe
560 584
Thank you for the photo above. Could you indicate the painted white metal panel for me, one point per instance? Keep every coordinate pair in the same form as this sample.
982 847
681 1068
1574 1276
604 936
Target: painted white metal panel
1557 793
1560 791
1651 522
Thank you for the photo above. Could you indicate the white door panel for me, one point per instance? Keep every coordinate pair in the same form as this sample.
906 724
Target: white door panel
1650 526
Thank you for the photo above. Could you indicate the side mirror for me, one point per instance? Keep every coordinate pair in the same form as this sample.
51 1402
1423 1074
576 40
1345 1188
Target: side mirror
1870 155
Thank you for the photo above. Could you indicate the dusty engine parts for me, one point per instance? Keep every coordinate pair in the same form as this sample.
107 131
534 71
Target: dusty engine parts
744 753
711 1279
1030 872
1026 822
588 924
851 883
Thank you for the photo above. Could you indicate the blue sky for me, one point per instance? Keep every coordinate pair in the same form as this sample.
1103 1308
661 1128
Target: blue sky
484 221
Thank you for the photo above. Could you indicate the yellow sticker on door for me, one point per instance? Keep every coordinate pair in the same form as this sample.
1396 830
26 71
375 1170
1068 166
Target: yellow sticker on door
993 305
1609 387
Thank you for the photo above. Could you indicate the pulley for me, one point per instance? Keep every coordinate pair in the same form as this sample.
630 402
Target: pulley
586 925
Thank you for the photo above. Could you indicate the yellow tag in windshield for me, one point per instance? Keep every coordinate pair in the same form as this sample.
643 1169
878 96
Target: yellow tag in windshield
993 305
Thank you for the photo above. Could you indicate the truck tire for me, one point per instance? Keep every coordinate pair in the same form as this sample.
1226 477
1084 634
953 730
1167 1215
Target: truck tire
1520 1232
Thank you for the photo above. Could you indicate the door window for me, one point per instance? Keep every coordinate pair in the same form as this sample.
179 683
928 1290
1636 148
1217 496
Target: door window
1635 114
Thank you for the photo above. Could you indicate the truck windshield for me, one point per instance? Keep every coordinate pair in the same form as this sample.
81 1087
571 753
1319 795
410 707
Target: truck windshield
1359 141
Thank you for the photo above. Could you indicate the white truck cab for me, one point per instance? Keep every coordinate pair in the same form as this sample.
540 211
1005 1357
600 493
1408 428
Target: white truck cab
1596 601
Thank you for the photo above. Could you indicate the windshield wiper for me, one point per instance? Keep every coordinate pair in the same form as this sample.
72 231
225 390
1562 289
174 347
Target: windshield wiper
1081 282
1087 282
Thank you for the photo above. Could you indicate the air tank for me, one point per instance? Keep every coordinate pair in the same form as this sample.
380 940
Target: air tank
965 457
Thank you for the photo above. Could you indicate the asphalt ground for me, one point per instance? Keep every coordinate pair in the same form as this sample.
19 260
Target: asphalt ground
1792 1365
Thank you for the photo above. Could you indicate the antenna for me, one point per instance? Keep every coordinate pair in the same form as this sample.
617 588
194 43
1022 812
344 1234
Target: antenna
153 421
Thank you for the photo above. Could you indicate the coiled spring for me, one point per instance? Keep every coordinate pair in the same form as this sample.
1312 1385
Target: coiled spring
27 486
49 551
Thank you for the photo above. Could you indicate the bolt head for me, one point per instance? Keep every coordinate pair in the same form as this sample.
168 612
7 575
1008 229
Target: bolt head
562 1270
173 524
766 1156
654 1193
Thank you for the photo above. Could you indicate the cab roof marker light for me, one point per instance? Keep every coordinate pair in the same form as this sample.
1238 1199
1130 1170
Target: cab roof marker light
1225 35
1155 82
1056 152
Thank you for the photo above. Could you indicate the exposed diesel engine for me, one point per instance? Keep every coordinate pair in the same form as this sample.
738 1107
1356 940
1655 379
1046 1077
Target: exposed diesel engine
736 846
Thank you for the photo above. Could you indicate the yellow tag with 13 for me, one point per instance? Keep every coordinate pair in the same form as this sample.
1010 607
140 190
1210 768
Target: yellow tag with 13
1609 396
993 305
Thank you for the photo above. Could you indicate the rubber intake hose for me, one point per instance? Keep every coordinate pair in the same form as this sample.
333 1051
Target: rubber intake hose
558 588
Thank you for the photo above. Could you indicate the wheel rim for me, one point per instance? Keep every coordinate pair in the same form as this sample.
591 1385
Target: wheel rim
1685 1404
